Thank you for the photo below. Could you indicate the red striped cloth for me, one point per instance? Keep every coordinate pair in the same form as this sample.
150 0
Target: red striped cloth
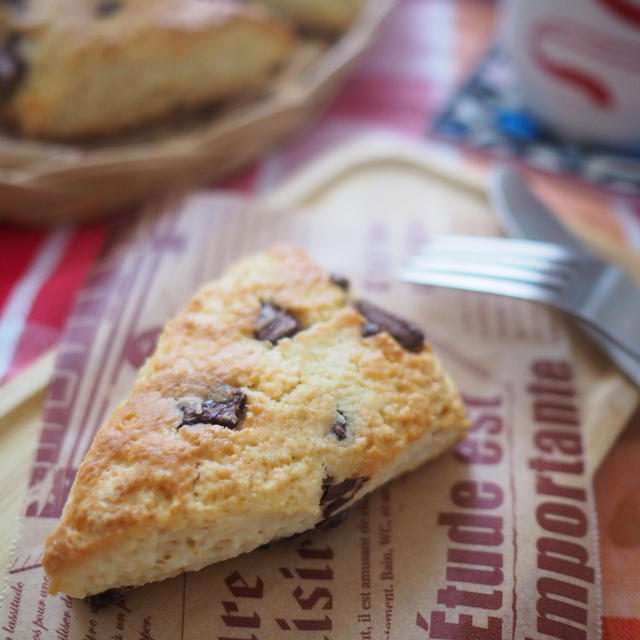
40 271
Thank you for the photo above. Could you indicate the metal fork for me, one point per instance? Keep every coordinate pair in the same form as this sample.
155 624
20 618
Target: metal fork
597 293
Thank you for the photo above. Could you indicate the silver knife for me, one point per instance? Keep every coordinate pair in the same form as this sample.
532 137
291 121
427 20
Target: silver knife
523 215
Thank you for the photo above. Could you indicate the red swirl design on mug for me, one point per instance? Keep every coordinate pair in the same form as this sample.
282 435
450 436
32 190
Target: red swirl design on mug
623 9
548 41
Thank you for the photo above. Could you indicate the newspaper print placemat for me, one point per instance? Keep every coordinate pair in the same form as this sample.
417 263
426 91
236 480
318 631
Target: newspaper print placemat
496 539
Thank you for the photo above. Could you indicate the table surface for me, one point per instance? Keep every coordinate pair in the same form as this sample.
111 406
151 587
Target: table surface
433 42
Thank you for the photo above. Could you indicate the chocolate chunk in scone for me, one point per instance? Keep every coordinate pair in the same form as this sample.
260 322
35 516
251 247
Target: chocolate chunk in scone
335 520
340 281
109 598
274 323
377 320
234 435
226 409
105 8
339 427
336 495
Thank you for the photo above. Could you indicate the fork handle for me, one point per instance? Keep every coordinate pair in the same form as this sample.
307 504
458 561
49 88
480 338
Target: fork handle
621 358
614 310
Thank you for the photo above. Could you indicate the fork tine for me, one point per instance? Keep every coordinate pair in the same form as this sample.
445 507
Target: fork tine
600 295
469 282
523 255
500 246
509 259
473 268
544 274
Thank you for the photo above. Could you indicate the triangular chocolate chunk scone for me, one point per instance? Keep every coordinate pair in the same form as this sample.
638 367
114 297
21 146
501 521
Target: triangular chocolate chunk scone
273 402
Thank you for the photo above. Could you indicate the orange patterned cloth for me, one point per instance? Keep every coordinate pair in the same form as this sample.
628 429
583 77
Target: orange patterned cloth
618 501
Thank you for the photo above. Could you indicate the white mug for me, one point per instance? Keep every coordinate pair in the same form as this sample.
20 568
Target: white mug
578 65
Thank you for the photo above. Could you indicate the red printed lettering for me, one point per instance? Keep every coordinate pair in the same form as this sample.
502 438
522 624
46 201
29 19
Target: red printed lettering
556 413
540 389
568 443
244 590
560 609
476 528
463 628
476 558
316 574
247 622
474 451
473 528
565 557
316 595
452 597
542 464
546 486
472 401
560 518
305 550
319 597
552 369
240 588
470 494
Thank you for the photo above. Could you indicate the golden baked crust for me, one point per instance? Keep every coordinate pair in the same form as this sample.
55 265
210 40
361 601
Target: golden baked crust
95 67
330 414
